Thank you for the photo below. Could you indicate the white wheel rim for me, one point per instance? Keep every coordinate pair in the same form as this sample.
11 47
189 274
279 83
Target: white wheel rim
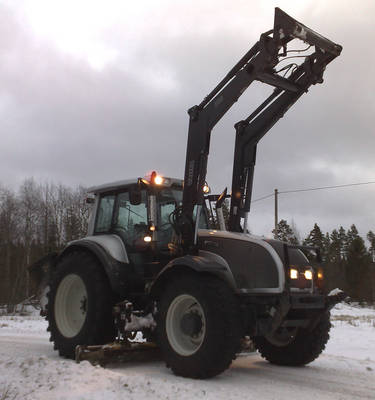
181 342
71 305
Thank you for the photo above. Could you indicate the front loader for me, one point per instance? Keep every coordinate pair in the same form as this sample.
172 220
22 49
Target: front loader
153 264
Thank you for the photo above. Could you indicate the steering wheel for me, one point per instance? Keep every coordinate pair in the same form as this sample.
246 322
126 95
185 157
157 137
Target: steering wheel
164 227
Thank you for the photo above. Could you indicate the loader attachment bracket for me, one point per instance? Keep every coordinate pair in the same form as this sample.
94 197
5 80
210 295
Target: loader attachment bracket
287 27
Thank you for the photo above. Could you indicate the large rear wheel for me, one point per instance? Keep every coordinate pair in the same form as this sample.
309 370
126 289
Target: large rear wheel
80 302
199 327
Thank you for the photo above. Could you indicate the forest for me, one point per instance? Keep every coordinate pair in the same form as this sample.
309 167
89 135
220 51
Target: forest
38 219
348 263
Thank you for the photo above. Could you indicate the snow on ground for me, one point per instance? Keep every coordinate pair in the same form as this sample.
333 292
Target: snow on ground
31 370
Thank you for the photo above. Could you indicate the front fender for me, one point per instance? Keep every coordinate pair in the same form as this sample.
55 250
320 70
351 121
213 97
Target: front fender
204 262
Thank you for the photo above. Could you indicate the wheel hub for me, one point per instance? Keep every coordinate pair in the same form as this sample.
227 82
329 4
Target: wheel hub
71 303
185 324
83 307
191 324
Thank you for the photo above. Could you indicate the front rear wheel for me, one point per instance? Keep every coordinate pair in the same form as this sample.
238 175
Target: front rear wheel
199 328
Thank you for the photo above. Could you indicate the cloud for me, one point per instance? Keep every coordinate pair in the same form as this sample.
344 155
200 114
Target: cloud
71 119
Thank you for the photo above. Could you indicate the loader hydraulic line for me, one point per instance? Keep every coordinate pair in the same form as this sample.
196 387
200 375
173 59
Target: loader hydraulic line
258 64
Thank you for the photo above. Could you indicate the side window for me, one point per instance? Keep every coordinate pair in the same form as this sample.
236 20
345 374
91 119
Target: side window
203 222
131 220
104 216
168 200
165 211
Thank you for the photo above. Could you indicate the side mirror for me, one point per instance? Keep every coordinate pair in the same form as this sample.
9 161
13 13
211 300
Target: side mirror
135 195
90 200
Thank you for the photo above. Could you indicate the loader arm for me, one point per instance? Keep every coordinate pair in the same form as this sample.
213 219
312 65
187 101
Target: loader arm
258 64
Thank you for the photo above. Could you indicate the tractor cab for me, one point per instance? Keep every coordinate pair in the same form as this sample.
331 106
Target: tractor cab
141 213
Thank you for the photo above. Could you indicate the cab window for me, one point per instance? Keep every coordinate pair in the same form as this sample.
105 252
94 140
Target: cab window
168 200
130 220
105 212
203 220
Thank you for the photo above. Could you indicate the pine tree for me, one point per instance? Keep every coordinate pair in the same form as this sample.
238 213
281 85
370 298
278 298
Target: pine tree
371 239
285 233
358 263
343 242
351 235
326 245
334 270
335 247
316 239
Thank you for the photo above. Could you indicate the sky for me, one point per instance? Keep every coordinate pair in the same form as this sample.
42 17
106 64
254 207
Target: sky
94 91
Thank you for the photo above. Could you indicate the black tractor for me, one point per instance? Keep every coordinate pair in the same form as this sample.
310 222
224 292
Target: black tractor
153 262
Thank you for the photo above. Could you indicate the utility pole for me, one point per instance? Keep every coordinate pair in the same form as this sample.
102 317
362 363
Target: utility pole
276 210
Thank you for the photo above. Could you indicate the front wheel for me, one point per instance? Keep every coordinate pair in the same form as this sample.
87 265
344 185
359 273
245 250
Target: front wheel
295 347
198 326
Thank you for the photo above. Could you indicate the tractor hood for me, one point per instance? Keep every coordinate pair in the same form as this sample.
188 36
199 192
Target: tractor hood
257 263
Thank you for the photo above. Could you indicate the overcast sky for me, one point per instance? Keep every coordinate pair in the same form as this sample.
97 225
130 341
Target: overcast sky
96 91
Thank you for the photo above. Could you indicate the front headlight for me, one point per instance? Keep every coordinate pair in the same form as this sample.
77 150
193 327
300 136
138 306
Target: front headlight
308 274
293 273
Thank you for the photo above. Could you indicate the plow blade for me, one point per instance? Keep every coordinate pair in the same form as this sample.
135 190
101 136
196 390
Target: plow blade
118 352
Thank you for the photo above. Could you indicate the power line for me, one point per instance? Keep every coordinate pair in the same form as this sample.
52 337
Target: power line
315 188
262 198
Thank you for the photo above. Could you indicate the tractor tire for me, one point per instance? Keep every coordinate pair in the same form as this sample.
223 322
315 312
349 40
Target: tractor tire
80 301
303 346
198 326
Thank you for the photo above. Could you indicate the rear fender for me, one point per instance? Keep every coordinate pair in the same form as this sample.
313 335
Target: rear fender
107 249
111 253
205 262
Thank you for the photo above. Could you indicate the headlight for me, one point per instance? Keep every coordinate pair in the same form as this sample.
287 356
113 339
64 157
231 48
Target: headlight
320 274
293 273
308 275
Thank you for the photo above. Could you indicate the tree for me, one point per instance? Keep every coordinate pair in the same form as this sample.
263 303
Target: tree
343 242
371 239
315 238
9 223
226 213
334 267
335 247
285 233
358 263
29 201
34 221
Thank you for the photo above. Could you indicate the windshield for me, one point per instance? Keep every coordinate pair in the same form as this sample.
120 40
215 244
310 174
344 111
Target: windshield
168 200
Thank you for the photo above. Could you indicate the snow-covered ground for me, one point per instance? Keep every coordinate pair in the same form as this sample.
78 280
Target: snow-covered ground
30 369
